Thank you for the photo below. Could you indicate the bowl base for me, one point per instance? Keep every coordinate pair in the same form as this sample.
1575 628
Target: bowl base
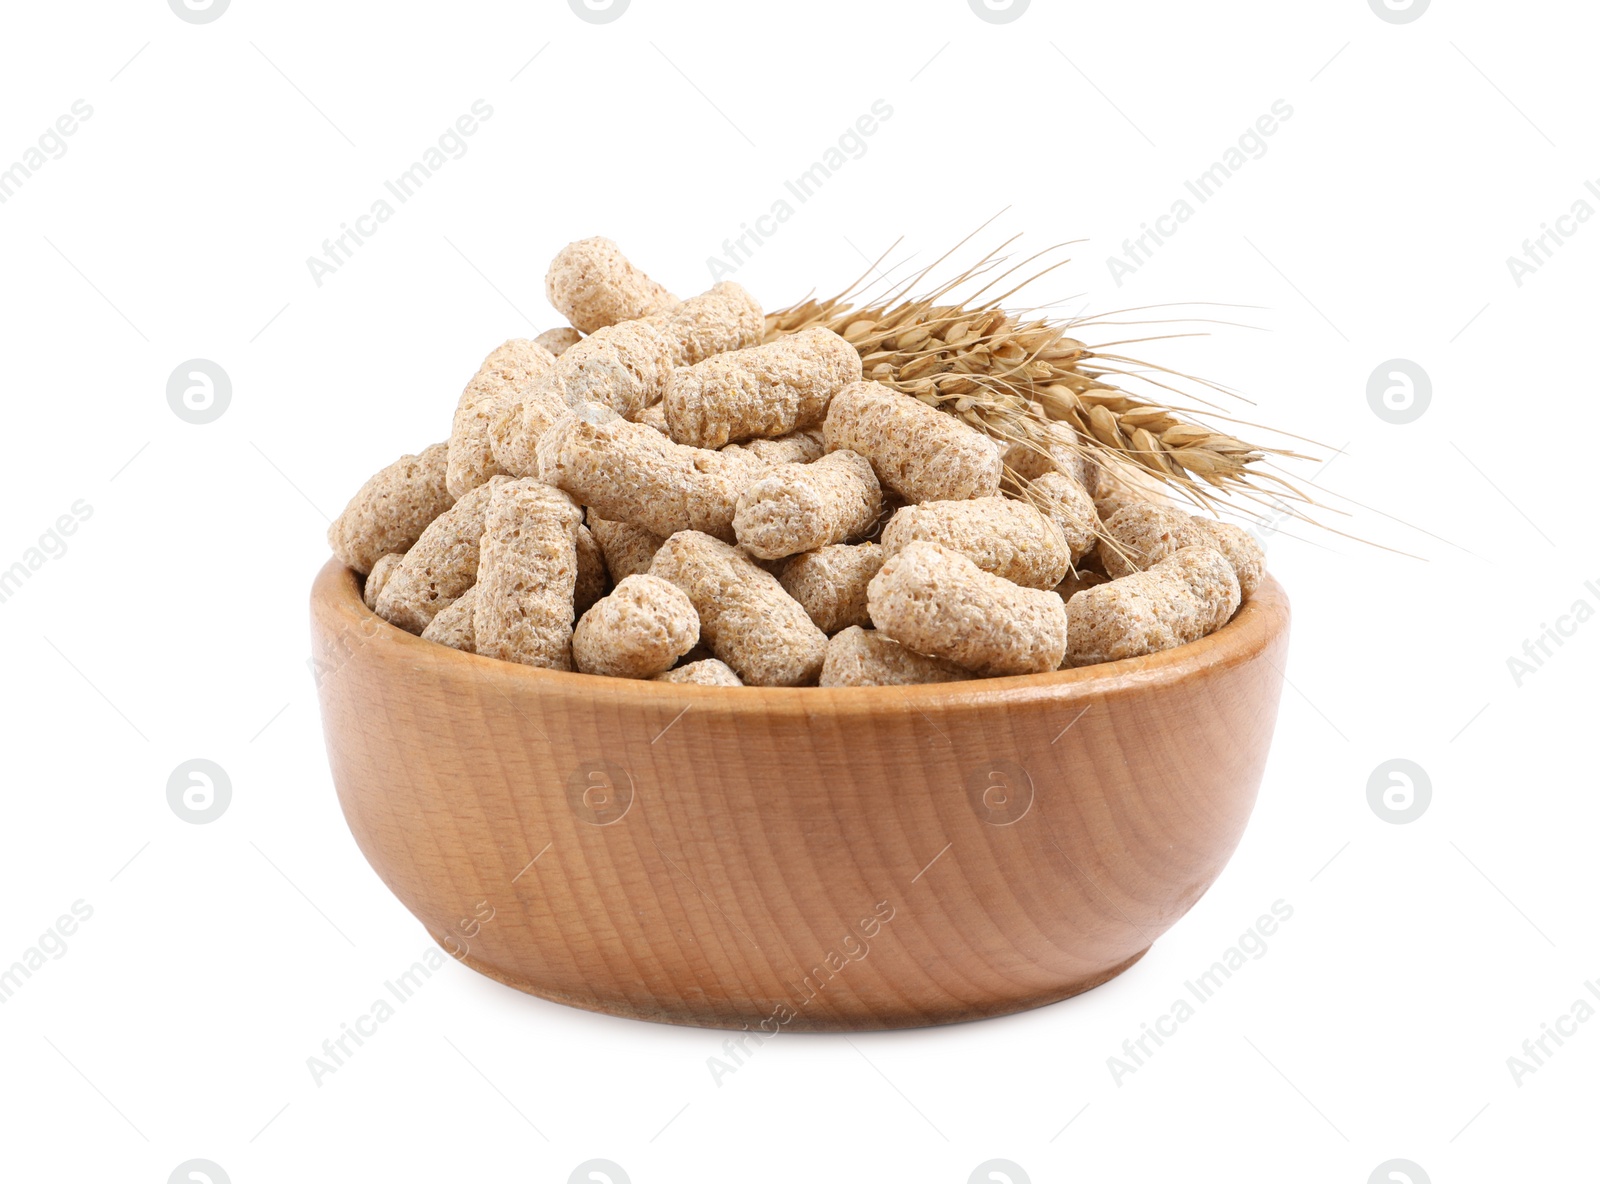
736 1017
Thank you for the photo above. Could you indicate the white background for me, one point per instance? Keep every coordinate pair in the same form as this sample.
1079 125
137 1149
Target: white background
1377 225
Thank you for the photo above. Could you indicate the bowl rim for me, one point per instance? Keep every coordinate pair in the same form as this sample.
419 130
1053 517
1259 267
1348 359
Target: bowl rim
1258 624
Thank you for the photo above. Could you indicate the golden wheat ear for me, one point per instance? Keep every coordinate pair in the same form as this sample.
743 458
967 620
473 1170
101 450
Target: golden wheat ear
1028 379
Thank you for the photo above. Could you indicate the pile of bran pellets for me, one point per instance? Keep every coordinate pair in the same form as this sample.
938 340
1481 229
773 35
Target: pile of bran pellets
653 493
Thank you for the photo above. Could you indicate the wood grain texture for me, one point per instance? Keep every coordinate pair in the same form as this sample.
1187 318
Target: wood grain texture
807 859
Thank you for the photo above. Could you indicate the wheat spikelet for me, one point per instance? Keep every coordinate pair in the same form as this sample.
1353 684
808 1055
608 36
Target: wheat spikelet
1024 379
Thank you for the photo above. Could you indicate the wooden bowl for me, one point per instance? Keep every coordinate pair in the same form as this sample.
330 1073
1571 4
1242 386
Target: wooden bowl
788 859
